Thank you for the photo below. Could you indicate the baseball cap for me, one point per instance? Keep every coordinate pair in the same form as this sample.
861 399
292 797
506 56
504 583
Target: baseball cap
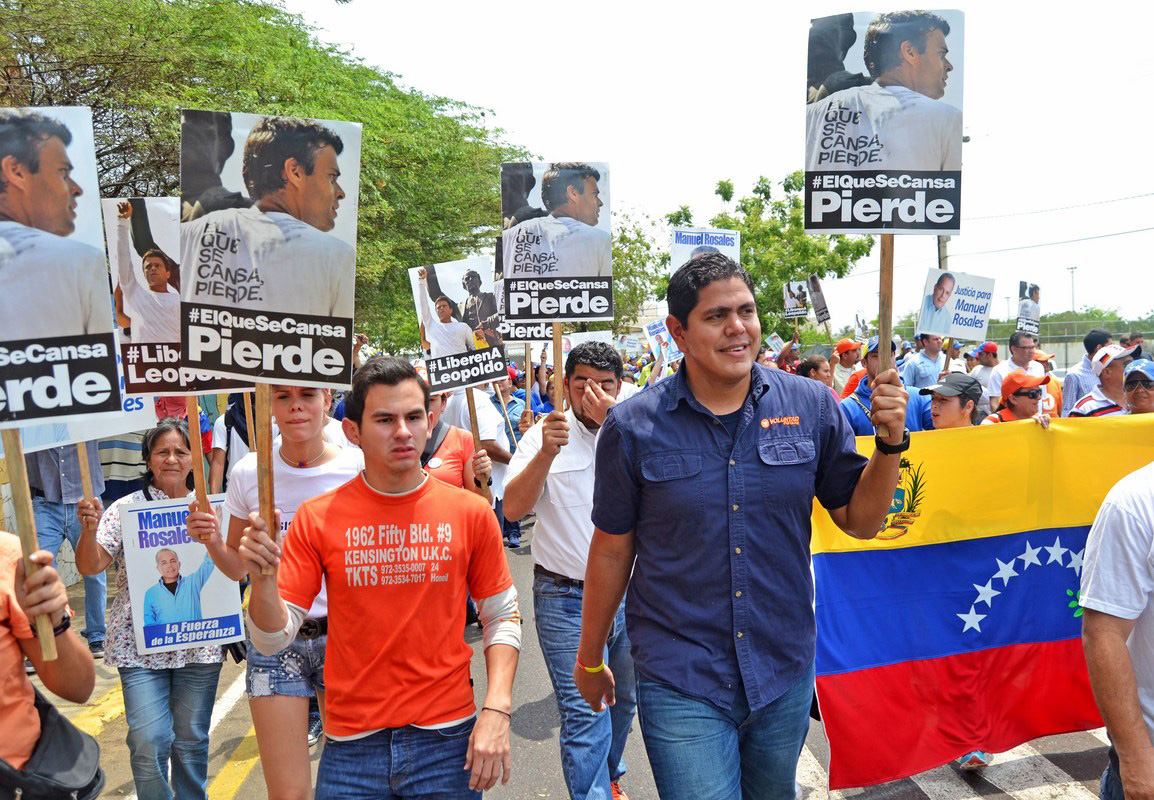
1111 352
987 347
1042 355
1142 366
845 345
872 345
1019 379
972 353
956 384
513 374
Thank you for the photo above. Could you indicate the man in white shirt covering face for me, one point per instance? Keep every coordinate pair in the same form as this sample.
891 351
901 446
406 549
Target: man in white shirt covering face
52 286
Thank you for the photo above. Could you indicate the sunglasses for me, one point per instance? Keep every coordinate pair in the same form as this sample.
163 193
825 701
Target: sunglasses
1139 383
1033 394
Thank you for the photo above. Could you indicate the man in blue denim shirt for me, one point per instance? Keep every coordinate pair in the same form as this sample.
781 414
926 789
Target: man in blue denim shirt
708 480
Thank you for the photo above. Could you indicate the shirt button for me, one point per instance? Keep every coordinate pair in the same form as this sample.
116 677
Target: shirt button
736 506
740 634
715 422
737 593
732 463
737 550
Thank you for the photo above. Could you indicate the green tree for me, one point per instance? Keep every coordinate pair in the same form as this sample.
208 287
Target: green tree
429 165
775 248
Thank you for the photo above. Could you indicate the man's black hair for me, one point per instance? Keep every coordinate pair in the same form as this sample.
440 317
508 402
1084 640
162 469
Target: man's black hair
1094 339
884 37
23 133
1017 336
810 364
274 140
923 336
559 177
382 371
694 275
598 355
1137 335
441 297
166 425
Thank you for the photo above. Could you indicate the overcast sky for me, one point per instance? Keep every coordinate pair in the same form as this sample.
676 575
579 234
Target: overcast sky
678 95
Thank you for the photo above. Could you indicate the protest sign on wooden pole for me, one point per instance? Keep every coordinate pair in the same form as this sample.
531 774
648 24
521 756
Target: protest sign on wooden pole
476 439
530 375
26 527
264 465
558 372
886 311
505 412
198 480
85 469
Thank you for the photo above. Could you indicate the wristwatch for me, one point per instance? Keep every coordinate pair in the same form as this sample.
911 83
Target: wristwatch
887 449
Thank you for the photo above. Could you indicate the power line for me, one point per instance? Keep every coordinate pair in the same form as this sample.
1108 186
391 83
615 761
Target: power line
1063 208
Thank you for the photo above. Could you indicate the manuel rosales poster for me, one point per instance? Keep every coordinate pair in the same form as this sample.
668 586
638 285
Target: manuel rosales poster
1029 310
268 246
556 247
688 243
458 321
179 598
883 123
57 352
955 305
142 234
660 341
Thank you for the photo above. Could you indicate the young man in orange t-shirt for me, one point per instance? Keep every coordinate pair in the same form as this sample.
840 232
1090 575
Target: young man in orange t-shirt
397 551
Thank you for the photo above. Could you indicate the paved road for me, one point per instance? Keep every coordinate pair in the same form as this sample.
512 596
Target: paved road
1053 768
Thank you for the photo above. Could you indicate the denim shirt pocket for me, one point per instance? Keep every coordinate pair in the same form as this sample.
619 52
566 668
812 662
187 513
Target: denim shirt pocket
673 483
792 465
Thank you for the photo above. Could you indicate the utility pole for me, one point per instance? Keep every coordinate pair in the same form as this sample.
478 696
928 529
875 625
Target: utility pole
1072 270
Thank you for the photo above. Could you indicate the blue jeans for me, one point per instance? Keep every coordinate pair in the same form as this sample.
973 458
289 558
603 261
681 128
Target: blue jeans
168 713
398 763
56 522
592 744
699 751
1110 787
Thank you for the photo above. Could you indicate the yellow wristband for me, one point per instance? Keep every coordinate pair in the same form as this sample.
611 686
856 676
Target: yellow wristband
598 668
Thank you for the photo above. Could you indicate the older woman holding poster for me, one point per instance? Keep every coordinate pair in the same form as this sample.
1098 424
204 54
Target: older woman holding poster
168 697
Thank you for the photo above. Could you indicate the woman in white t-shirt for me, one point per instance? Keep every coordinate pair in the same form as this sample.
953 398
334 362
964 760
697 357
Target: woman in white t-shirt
305 465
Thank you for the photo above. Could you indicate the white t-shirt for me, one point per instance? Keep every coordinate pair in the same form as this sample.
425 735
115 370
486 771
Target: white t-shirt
576 249
281 265
50 286
841 375
1004 368
291 487
982 375
564 508
155 315
886 128
490 425
1118 572
627 391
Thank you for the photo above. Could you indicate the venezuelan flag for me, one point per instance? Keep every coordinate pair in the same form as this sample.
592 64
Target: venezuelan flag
959 627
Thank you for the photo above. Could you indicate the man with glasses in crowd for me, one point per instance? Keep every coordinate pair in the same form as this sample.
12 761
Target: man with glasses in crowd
1022 347
1138 383
1108 397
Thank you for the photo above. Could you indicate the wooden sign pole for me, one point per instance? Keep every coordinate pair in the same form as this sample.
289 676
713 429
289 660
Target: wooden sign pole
505 411
485 490
198 479
886 311
558 370
85 470
265 497
26 528
247 399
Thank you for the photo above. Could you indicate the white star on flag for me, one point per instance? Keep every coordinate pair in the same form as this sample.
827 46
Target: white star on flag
1056 551
1005 571
972 619
1030 557
986 593
1076 562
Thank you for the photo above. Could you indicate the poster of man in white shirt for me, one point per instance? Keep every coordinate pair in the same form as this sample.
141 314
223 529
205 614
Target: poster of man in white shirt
884 123
268 290
955 305
56 321
796 297
1029 310
458 320
558 266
